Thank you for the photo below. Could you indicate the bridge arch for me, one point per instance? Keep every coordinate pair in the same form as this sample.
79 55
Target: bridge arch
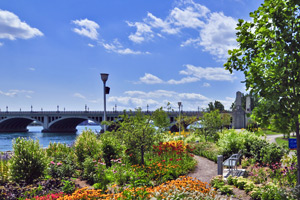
66 124
17 124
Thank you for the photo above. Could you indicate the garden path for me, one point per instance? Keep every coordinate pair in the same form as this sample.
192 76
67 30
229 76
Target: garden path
205 169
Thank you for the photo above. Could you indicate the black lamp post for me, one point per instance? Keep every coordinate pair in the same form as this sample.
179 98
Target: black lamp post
104 78
179 105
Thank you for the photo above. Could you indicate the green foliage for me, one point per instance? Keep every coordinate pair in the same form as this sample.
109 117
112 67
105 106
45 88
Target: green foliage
108 147
28 161
212 123
208 150
138 135
268 54
68 186
216 105
3 171
61 159
241 182
89 170
272 153
231 142
161 119
87 145
217 182
226 189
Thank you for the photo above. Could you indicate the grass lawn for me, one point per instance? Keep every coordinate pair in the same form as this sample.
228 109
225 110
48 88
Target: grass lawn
282 141
269 132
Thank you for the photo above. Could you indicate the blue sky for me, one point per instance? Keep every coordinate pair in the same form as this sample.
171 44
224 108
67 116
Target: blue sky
52 53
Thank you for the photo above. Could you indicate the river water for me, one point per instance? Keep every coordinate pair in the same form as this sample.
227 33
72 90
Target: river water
35 132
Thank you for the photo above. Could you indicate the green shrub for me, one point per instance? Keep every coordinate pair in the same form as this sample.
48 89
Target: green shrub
231 142
217 182
109 148
249 187
28 161
89 170
3 171
241 182
272 153
68 186
87 145
208 150
226 189
230 180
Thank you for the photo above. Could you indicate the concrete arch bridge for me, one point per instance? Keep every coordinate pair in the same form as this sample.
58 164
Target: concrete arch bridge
65 121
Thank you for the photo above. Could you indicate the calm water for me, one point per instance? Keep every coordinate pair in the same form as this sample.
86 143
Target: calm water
35 132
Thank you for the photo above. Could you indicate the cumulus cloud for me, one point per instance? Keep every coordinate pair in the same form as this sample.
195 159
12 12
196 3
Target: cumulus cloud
14 93
86 28
218 35
11 27
117 47
150 79
216 32
193 74
208 73
158 98
1 44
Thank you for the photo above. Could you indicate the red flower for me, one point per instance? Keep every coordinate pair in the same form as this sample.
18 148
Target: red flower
164 160
171 159
192 155
130 154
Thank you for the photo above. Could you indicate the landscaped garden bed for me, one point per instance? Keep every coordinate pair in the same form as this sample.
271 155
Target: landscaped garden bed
138 162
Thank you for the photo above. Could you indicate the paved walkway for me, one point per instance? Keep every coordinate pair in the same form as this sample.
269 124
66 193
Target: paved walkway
205 169
271 139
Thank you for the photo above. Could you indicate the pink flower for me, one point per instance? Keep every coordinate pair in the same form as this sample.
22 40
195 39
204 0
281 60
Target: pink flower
53 163
59 163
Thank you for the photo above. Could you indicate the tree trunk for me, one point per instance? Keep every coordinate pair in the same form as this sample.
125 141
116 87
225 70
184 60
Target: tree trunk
298 150
142 155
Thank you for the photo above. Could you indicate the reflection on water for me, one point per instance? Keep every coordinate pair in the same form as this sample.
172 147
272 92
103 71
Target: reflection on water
35 132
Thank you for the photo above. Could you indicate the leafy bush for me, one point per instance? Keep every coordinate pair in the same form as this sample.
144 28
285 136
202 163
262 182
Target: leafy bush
68 186
208 150
226 189
231 142
87 145
241 182
3 171
28 161
272 153
217 182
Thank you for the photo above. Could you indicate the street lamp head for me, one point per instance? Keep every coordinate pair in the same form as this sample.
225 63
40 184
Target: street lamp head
179 103
104 77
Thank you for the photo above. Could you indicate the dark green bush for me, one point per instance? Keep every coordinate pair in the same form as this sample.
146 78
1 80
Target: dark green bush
28 162
87 145
272 153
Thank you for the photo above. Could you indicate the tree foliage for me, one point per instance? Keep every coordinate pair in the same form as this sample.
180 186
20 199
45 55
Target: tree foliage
137 134
216 105
269 56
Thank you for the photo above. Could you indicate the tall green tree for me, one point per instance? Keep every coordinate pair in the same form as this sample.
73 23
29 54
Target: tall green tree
137 133
216 105
269 56
211 123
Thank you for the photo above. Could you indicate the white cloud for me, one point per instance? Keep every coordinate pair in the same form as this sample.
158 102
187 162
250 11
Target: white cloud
193 74
1 44
117 47
215 31
11 27
218 35
206 85
31 69
158 98
79 96
142 33
86 28
208 73
183 80
91 45
14 93
150 79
